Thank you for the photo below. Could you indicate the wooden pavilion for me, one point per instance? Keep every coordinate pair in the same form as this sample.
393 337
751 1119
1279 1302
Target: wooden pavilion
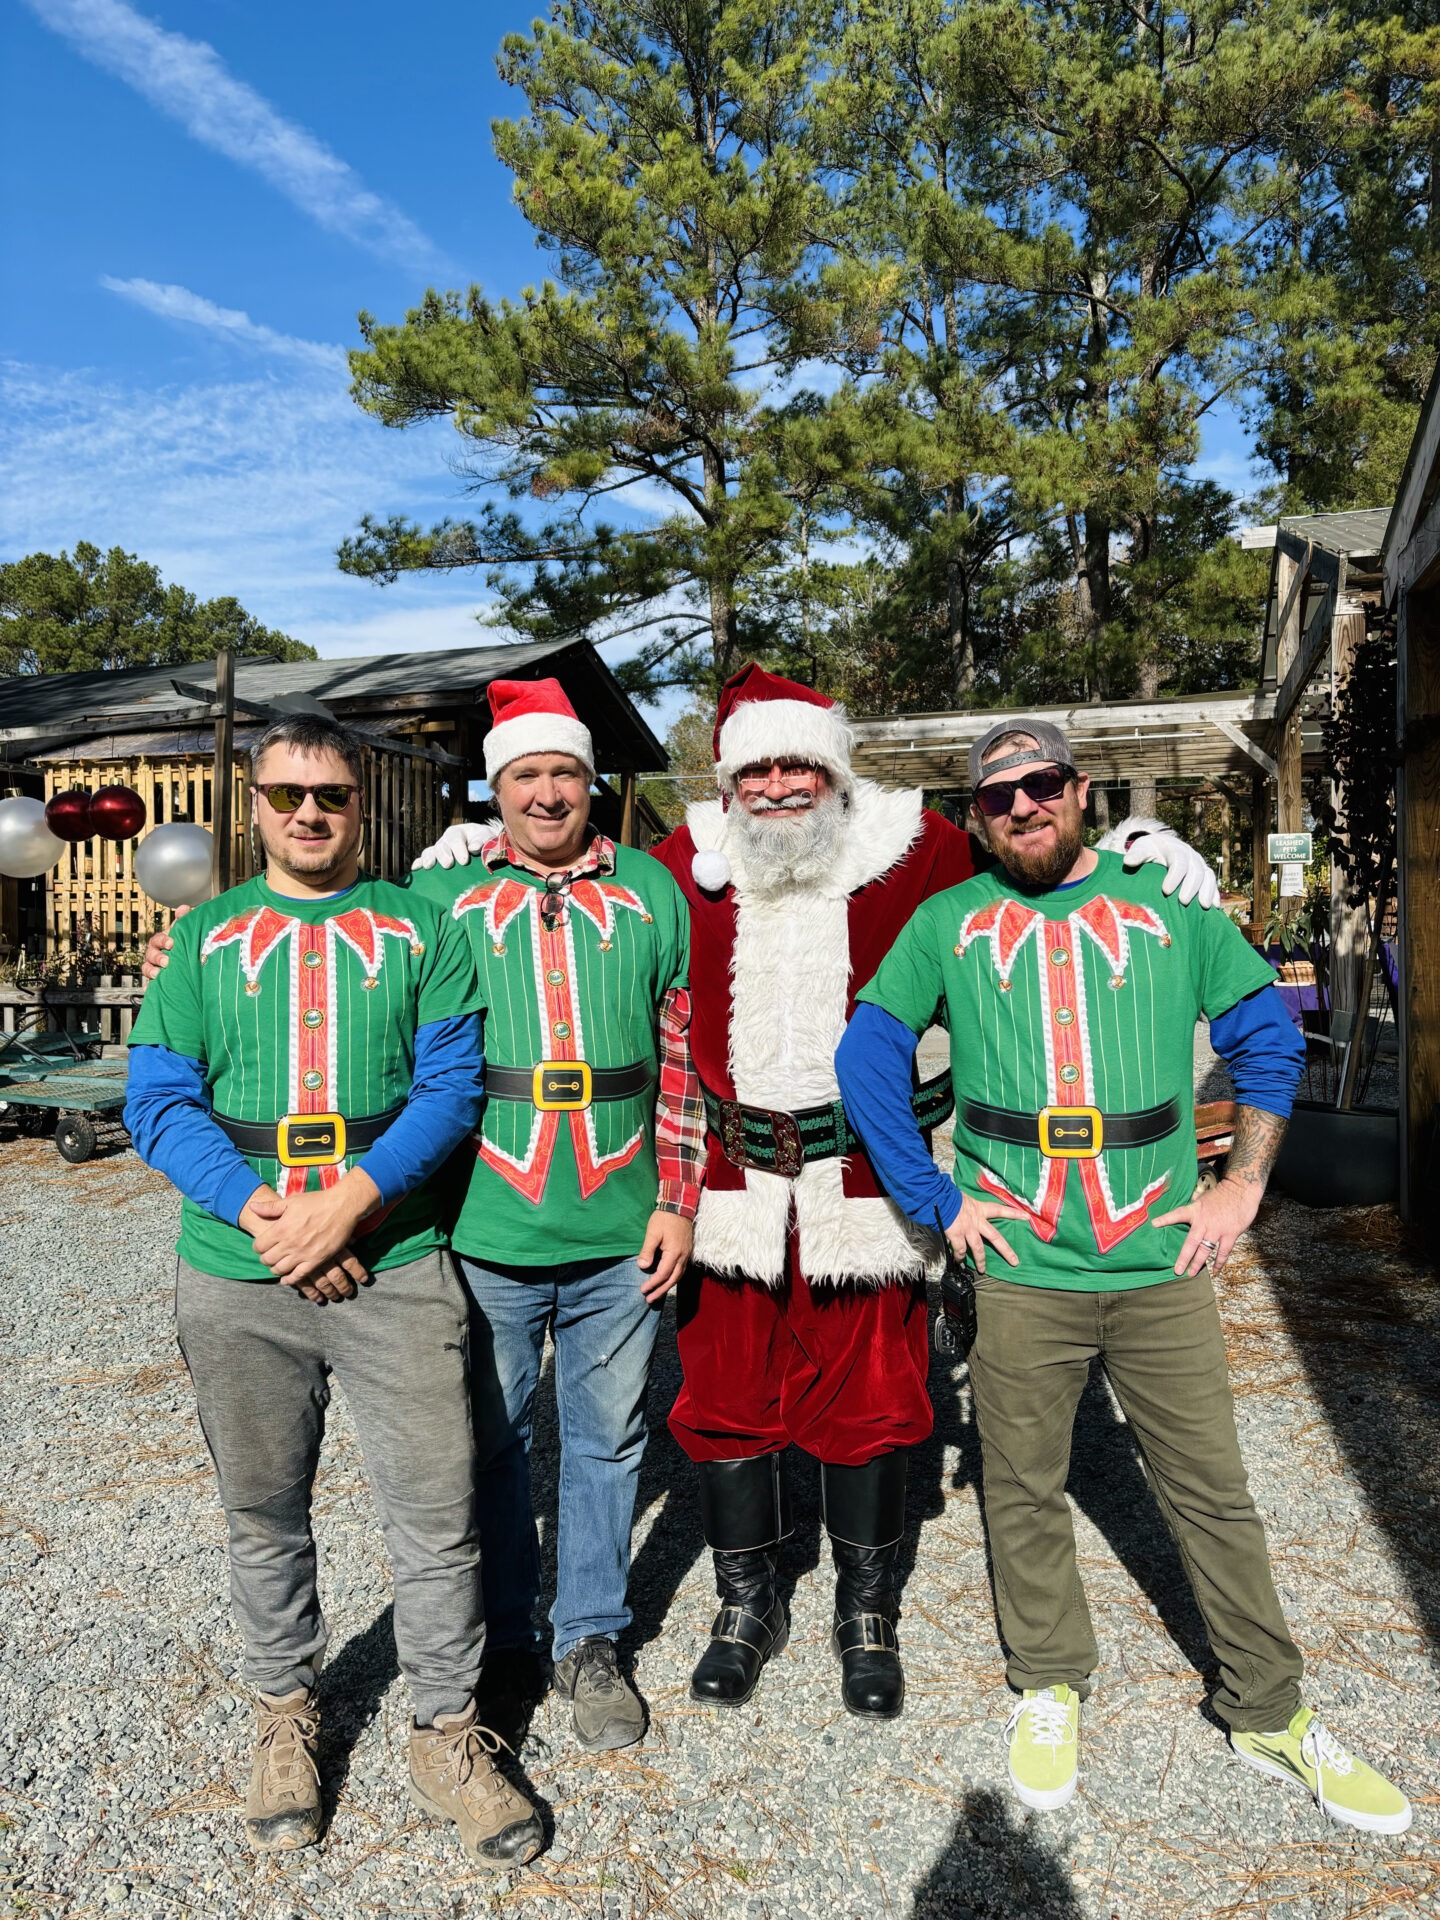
166 731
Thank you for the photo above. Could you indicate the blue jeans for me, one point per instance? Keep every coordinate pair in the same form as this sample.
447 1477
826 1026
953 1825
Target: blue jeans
604 1336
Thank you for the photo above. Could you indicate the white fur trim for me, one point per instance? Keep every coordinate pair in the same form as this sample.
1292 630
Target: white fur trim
784 730
537 733
710 870
789 984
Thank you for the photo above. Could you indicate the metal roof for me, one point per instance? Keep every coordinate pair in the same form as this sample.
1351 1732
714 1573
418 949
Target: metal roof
53 709
1359 532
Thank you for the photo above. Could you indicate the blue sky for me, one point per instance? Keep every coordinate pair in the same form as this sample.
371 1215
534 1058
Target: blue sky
197 202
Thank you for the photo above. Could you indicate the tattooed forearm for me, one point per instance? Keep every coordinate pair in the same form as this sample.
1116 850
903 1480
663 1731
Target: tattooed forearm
1257 1141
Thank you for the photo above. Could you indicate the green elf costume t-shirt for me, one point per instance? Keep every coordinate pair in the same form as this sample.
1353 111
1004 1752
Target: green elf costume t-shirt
307 1007
578 1184
1069 1011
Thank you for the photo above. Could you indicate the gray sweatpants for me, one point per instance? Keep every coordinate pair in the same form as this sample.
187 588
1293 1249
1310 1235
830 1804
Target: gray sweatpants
261 1358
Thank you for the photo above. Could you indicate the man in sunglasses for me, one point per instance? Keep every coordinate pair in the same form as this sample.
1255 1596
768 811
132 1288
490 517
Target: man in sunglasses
1070 989
302 1065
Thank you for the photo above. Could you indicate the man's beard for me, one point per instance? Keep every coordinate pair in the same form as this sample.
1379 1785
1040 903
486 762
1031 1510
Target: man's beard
1041 868
794 851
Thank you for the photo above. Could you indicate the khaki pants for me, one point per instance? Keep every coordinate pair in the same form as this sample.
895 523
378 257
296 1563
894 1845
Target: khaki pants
1163 1353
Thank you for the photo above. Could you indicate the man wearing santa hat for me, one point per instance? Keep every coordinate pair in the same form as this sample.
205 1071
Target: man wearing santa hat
578 1204
803 1318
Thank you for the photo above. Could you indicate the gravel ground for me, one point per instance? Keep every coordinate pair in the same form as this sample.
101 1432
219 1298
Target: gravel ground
123 1733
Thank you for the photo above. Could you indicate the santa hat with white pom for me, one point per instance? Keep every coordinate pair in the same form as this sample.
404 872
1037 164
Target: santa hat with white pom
763 718
533 716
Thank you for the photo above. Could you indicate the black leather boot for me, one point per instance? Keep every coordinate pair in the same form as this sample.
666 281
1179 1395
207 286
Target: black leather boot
745 1514
864 1509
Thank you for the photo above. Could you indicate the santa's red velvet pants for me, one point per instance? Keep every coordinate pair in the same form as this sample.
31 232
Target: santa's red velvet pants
837 1370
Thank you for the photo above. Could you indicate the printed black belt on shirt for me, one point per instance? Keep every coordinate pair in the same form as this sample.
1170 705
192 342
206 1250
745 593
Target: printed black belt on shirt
306 1139
567 1086
782 1143
1073 1133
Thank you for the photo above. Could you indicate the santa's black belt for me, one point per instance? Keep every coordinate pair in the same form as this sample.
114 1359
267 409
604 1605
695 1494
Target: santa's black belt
782 1143
1072 1133
566 1086
307 1139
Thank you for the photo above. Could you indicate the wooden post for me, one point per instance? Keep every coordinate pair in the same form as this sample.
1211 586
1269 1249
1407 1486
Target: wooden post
222 779
1417 803
1260 851
1290 579
1348 918
627 809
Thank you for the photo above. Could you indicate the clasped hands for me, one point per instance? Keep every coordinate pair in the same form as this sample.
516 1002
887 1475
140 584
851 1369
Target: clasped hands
305 1239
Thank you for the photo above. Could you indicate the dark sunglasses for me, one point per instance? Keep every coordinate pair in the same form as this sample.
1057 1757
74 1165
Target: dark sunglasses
1046 783
288 796
552 900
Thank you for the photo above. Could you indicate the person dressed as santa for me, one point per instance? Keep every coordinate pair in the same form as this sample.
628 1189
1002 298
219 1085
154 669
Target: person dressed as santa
803 1318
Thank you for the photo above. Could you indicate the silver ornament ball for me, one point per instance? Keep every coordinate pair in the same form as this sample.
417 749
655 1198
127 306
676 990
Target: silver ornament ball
173 862
27 846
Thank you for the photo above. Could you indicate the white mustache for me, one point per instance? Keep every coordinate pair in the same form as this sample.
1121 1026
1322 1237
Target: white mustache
797 803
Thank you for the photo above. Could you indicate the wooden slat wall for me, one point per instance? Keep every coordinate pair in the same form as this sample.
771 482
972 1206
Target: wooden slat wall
92 896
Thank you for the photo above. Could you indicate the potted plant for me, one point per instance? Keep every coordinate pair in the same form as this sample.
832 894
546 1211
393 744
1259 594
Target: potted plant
1338 1154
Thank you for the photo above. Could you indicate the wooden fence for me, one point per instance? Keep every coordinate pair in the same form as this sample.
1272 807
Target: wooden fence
93 898
107 1008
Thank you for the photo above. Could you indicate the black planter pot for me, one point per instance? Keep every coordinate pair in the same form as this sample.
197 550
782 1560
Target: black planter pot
1333 1159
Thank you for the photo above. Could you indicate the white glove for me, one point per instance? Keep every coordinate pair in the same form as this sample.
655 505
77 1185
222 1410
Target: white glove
1184 867
456 844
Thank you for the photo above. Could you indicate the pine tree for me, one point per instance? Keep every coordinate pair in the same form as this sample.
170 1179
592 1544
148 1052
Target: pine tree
660 166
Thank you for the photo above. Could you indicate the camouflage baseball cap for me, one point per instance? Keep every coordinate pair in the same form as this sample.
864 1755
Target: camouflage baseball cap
1050 744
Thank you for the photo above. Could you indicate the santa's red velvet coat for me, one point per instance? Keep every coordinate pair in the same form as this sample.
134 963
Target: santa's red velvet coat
773 980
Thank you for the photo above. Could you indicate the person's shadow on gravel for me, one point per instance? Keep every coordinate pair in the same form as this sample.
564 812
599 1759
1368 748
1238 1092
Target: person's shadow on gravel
352 1687
993 1868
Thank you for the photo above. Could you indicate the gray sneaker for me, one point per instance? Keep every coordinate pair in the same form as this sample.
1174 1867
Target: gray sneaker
608 1712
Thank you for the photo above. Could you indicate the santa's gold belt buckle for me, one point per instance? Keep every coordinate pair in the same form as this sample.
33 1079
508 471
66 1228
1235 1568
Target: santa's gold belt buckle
1071 1133
310 1139
562 1086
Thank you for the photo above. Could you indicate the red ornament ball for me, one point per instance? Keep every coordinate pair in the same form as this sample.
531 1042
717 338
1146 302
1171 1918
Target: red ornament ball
117 813
68 815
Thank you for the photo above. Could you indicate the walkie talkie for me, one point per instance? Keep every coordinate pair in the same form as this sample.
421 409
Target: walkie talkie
955 1324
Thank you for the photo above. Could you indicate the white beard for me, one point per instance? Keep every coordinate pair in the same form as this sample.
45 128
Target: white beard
793 851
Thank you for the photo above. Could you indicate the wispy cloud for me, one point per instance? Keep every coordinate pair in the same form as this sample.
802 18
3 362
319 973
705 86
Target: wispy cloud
193 310
232 486
188 80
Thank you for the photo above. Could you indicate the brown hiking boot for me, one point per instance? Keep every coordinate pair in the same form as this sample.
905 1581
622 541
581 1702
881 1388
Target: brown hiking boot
453 1776
282 1808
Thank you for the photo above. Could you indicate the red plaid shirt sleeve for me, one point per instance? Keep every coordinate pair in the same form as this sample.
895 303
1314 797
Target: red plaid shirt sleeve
679 1111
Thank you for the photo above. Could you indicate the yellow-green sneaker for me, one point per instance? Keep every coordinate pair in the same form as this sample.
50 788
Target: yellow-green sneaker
1044 1736
1344 1788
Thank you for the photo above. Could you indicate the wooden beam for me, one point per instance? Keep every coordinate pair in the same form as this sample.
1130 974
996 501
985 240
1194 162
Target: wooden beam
1418 824
1248 747
1260 851
627 809
1314 648
222 778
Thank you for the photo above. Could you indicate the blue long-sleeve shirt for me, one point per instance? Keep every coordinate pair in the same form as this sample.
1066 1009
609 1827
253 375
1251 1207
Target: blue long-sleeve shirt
168 1112
1256 1038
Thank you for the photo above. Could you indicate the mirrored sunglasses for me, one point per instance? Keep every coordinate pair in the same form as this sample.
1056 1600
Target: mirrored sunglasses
1045 784
288 796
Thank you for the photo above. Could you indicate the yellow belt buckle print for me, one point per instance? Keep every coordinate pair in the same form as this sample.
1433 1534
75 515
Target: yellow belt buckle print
310 1140
1071 1133
562 1086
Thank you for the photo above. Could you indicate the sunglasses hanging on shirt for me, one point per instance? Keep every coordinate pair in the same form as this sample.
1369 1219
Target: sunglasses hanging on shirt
552 900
